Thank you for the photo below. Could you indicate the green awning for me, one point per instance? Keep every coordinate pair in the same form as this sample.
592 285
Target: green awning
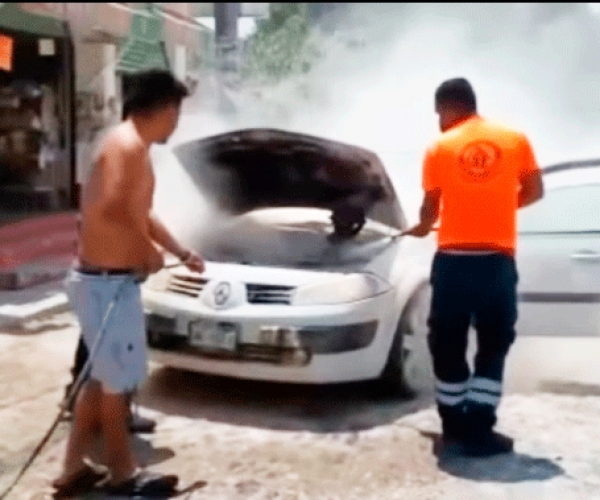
144 48
139 55
12 18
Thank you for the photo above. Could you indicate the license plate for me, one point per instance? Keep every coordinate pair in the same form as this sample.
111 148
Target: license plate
212 336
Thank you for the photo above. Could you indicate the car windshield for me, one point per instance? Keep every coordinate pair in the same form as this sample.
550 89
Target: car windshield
291 237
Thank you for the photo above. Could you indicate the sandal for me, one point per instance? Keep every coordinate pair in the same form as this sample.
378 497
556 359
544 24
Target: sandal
80 482
145 483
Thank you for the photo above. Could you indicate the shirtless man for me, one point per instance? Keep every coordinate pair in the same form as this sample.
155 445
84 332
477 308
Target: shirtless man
120 239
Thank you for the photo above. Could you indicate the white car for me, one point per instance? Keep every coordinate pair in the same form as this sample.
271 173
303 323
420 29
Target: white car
290 293
558 255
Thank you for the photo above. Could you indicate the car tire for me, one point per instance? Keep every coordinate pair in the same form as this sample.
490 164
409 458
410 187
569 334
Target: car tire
408 369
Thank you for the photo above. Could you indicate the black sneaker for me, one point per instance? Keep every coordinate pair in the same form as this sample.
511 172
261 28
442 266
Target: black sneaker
488 444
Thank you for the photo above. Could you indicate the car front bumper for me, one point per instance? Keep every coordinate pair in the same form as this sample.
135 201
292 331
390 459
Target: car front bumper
342 343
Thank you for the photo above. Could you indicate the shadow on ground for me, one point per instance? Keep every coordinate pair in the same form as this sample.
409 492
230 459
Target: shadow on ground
508 468
569 388
325 409
40 327
513 468
149 455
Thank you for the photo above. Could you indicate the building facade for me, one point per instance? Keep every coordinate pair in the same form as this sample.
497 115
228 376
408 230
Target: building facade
37 109
107 40
113 39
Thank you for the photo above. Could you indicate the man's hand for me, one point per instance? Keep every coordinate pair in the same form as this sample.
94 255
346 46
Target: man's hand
194 262
419 231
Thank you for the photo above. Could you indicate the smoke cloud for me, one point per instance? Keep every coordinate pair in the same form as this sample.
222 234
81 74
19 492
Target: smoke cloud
534 66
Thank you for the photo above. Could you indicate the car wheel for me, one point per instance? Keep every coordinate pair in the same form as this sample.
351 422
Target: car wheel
408 370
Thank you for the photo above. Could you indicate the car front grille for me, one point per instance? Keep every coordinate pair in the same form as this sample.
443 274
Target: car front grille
269 294
190 286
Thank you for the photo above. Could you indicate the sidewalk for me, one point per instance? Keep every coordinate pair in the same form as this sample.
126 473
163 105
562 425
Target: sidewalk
19 306
37 250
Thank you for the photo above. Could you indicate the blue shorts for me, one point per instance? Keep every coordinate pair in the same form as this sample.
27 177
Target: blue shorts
120 361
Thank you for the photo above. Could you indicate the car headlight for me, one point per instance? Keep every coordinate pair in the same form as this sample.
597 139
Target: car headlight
350 288
158 282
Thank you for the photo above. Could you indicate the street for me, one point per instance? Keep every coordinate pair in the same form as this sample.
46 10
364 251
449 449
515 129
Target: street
267 441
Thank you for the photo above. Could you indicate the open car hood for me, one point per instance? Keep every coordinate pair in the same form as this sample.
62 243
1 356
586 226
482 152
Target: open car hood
250 169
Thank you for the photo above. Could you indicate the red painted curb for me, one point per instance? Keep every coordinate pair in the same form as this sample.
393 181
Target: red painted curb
39 238
37 225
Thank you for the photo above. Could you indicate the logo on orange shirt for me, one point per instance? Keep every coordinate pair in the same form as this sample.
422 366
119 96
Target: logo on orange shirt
479 161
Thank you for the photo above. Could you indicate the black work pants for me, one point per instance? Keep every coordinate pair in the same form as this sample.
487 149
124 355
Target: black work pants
81 357
479 290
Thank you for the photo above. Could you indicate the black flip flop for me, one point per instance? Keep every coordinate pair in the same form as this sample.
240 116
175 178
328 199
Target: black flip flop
148 484
80 482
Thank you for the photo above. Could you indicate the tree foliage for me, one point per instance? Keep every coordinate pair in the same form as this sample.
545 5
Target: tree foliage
282 46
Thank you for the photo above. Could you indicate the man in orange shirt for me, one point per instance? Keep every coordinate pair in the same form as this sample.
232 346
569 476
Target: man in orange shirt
475 177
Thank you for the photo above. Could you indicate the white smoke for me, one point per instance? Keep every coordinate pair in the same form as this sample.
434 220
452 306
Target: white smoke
533 66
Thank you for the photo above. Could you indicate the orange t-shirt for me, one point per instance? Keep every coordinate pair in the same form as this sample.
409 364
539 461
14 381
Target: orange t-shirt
478 166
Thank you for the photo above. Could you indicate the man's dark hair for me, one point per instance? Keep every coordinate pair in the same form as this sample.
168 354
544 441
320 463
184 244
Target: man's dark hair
147 91
457 93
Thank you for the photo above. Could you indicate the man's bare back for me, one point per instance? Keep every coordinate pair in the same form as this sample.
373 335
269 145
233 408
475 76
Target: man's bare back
116 205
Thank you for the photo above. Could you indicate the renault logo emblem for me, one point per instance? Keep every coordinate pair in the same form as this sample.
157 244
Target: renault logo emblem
221 293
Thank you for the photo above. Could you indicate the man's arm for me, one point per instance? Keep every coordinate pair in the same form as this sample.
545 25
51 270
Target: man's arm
532 189
428 215
430 208
161 235
530 177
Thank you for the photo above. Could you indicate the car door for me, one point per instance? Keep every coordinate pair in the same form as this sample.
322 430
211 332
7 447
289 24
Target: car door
558 260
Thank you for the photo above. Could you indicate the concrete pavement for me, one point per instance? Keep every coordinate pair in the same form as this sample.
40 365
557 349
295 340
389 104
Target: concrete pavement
20 306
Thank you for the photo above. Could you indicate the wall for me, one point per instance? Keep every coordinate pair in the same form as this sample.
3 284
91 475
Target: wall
183 39
100 30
